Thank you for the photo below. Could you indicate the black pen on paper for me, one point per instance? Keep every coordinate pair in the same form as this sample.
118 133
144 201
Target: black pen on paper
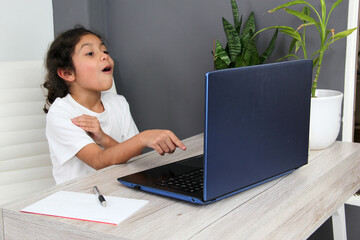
101 197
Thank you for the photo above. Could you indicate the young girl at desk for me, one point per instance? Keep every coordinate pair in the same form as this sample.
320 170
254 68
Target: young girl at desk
86 128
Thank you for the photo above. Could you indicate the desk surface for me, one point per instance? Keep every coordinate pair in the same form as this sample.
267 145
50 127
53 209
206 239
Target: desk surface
290 207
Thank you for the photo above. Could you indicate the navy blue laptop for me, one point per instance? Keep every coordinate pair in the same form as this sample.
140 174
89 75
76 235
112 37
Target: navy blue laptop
256 129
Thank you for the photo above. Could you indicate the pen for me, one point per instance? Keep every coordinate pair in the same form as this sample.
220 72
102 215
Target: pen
101 197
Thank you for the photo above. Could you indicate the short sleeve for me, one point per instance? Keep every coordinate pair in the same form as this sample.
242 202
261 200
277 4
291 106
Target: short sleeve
65 139
130 128
117 117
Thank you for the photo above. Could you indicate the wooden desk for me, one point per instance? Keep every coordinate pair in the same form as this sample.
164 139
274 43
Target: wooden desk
291 207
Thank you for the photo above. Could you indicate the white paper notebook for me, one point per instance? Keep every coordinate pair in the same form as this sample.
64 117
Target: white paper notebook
87 207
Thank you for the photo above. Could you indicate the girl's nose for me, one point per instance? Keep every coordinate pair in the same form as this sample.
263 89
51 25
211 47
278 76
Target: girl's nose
105 56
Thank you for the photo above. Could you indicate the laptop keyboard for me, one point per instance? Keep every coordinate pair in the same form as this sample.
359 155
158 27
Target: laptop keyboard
188 182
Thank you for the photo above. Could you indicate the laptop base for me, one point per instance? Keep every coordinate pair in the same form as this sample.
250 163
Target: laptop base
172 193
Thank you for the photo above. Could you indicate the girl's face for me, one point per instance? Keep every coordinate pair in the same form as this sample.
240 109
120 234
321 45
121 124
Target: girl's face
93 65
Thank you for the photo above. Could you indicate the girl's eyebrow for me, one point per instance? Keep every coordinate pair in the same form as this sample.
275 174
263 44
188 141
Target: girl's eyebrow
90 44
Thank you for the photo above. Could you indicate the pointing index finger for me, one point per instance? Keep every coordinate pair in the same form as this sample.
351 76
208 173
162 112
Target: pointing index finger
177 142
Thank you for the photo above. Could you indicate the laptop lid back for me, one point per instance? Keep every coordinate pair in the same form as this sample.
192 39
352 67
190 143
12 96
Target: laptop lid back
256 124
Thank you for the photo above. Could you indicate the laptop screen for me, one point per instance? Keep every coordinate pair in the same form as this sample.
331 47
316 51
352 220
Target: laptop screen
256 124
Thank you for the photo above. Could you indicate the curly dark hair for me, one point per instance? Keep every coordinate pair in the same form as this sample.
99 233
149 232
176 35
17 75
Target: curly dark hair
58 56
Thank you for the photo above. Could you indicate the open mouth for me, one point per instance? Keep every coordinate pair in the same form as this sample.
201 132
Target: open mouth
107 69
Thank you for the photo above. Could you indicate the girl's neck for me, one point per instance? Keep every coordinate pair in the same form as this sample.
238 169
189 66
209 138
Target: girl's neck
91 101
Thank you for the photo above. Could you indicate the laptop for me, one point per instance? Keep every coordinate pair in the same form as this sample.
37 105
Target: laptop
256 130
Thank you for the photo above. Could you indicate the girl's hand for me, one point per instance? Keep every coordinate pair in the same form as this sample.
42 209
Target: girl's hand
92 126
163 141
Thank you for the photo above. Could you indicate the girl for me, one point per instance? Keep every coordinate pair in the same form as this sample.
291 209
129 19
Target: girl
86 128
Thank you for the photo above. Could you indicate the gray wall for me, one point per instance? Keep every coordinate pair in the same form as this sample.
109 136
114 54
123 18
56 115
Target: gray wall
89 13
163 53
162 49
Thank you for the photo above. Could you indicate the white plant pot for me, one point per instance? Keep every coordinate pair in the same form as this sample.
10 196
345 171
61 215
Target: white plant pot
325 118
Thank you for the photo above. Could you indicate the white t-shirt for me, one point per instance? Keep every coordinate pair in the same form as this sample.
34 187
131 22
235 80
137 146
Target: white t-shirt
66 139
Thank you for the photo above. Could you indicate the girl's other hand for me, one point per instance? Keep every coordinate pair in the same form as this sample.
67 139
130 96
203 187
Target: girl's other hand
163 141
92 126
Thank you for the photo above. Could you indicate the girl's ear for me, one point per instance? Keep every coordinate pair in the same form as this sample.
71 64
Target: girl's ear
66 74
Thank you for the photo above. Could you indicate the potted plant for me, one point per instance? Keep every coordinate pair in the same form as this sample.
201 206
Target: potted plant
325 104
241 47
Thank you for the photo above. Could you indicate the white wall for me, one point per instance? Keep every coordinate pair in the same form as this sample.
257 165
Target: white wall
26 29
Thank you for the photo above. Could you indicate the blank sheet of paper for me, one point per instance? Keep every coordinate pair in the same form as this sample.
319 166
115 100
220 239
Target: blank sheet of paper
83 206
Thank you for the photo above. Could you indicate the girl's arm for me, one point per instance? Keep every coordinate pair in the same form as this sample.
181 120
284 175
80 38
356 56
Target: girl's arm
163 141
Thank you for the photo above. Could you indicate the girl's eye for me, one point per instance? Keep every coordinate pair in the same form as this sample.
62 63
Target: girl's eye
90 53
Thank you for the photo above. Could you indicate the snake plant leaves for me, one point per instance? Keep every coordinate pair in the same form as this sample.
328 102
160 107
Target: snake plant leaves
221 59
246 38
249 25
251 55
241 47
249 51
240 61
233 40
235 12
219 64
268 51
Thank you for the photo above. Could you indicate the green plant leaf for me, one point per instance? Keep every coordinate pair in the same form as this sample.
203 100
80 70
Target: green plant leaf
268 51
292 45
227 50
249 25
291 3
305 25
221 59
332 8
296 2
298 45
274 27
315 62
235 12
300 15
340 35
292 33
343 33
306 10
241 47
240 62
251 55
245 39
287 56
239 28
327 33
221 53
323 9
233 39
313 55
219 64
